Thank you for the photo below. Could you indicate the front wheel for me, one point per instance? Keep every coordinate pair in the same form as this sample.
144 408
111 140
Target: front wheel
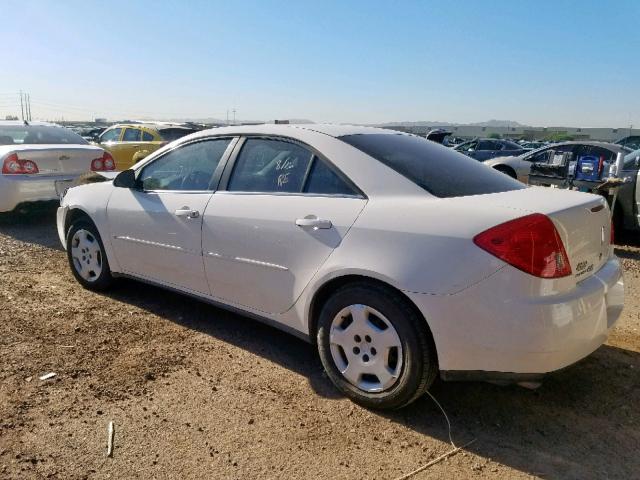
374 347
87 257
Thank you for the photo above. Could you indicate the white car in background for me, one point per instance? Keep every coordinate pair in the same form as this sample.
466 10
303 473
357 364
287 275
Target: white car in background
39 160
362 241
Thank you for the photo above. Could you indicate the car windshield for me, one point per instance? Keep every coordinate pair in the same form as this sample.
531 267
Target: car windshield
34 134
437 169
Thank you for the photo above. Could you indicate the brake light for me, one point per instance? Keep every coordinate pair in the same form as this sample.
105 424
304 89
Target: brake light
14 166
104 163
531 244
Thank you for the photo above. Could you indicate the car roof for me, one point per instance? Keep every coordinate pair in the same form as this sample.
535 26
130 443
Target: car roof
151 126
332 130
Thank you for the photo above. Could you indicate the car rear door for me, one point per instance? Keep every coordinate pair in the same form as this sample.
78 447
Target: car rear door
282 211
156 229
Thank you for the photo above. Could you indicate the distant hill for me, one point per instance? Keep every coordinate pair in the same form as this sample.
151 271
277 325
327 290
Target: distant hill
424 123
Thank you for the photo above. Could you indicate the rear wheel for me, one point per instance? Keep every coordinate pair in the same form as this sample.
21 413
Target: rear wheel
87 257
374 347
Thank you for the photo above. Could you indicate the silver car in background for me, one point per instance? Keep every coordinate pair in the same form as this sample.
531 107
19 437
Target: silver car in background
40 160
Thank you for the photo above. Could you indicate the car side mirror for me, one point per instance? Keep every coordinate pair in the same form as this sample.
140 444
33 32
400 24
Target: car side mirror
126 179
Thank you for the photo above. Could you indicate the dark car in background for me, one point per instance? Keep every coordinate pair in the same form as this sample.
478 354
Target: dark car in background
487 148
632 142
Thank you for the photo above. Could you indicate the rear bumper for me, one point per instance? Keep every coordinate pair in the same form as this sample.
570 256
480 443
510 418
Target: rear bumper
492 331
24 189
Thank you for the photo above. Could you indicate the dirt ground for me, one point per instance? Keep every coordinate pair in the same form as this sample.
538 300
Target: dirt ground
196 392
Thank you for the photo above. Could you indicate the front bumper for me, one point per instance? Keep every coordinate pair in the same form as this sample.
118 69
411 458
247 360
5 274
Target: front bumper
23 189
492 330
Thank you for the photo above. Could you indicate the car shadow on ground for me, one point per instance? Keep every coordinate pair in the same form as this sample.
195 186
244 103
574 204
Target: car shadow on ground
577 423
270 343
583 422
38 227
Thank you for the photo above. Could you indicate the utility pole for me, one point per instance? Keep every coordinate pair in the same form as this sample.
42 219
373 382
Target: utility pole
234 116
21 106
29 106
227 116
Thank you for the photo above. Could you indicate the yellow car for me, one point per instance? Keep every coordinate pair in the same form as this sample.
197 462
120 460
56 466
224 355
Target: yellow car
130 143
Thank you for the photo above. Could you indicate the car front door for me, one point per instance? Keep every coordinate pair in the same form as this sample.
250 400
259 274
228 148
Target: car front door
156 228
280 212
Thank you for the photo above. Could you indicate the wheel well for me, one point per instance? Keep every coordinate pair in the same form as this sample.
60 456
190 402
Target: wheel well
332 286
506 169
73 216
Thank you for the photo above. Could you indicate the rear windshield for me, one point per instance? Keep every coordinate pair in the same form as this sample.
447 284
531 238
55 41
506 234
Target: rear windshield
33 135
439 170
171 134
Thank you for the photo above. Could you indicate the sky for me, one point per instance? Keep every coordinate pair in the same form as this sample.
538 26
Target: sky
542 63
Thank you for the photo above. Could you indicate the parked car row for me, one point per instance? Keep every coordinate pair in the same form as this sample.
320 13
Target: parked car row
400 259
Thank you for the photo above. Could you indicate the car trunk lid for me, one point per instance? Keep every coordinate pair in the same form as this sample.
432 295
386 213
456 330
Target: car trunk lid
59 159
583 221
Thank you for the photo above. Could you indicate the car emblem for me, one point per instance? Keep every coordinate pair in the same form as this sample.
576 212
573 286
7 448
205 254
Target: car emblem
62 158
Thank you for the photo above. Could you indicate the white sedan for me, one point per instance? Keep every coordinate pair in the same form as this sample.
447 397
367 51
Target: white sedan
362 241
39 160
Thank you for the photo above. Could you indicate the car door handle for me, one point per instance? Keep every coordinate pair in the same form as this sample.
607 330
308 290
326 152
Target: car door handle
187 212
314 222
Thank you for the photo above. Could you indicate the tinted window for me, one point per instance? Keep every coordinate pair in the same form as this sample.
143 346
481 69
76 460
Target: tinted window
270 166
322 179
147 137
439 170
463 147
189 167
112 135
488 145
171 134
510 146
28 134
131 135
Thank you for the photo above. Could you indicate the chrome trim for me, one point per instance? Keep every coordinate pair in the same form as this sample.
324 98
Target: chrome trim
249 261
148 242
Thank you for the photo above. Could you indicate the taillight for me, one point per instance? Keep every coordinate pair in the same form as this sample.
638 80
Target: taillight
612 235
104 163
14 166
530 243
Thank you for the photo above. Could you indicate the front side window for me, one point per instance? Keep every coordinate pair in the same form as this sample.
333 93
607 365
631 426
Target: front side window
630 160
189 167
266 165
131 135
488 145
112 135
435 168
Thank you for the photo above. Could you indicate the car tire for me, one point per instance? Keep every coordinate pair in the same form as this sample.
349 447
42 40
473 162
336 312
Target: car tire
366 333
87 257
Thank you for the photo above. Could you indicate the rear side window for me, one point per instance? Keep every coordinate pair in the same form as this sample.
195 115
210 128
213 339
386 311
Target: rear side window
147 137
266 165
131 135
322 179
437 169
